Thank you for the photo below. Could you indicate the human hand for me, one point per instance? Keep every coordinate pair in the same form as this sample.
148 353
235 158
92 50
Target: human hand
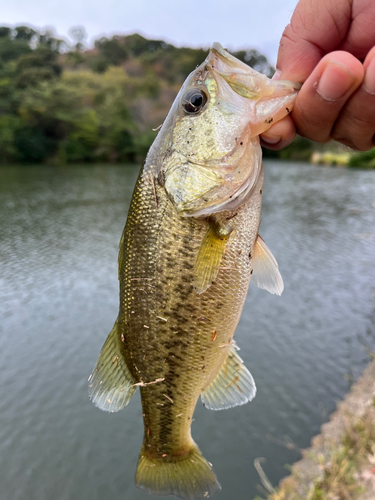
323 47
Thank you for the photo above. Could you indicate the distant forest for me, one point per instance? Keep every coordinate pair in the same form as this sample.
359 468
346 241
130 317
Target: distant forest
61 103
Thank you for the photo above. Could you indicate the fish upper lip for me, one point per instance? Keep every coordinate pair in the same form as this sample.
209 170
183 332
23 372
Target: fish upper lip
219 55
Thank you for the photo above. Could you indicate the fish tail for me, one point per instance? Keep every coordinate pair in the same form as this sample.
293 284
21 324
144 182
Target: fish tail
189 477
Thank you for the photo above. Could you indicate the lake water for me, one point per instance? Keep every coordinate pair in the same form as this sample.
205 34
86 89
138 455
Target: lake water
60 229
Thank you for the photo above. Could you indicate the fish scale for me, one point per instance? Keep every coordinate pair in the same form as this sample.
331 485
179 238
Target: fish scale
187 253
173 349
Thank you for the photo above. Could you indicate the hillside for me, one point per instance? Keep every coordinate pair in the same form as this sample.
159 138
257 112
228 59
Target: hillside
63 104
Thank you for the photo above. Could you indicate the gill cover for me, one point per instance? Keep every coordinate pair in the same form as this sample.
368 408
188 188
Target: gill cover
213 156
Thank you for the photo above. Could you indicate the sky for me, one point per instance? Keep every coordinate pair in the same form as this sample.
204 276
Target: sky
235 24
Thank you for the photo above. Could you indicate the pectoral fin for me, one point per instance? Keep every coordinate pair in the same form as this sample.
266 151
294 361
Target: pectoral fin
111 385
266 273
232 386
210 256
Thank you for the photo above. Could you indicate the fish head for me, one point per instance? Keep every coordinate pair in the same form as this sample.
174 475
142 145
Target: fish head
208 147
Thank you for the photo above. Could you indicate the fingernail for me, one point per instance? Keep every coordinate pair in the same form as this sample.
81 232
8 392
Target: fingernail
276 75
369 80
271 139
335 81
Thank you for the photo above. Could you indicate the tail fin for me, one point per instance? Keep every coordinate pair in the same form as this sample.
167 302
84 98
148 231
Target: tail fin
189 478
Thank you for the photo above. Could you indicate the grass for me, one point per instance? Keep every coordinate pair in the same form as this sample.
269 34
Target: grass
342 465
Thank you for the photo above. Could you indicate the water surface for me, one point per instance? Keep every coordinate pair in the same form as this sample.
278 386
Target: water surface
59 298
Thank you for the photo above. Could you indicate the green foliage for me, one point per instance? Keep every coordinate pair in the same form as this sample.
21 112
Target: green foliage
31 145
10 50
9 124
5 32
365 159
173 64
100 104
24 33
112 50
41 57
116 126
300 149
138 45
256 60
142 143
83 139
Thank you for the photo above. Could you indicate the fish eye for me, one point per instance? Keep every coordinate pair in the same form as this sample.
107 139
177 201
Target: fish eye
193 101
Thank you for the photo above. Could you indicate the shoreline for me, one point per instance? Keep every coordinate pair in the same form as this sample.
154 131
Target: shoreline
340 463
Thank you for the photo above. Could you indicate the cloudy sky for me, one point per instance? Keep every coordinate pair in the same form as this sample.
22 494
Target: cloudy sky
234 23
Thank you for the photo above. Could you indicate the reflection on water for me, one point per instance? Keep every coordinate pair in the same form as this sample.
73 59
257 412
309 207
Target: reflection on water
59 297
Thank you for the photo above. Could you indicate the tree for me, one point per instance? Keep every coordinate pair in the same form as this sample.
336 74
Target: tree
112 50
24 33
39 65
78 33
138 45
256 60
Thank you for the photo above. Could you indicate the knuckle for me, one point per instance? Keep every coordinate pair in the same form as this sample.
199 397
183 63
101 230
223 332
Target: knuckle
288 33
355 131
309 124
356 143
346 141
289 37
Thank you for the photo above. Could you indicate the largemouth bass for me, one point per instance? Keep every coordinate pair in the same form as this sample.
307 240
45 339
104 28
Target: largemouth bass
187 253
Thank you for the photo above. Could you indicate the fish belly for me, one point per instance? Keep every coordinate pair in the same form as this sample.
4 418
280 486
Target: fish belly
174 339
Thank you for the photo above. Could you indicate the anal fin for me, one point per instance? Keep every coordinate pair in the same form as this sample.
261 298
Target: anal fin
266 274
210 256
111 385
232 386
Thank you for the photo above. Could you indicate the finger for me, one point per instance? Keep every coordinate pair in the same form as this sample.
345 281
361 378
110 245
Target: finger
324 94
355 126
317 27
361 34
279 135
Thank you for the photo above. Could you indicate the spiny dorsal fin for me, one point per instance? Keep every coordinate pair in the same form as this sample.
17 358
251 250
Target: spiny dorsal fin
210 256
266 273
111 384
232 386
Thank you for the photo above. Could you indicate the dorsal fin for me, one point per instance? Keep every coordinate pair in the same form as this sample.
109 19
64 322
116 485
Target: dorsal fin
111 385
266 273
232 386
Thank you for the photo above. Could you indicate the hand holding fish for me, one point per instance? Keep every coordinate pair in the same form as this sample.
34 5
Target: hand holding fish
330 48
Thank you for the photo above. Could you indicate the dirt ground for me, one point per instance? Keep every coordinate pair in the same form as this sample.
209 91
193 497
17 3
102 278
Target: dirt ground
340 464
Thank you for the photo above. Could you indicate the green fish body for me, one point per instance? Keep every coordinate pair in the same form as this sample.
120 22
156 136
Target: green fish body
188 251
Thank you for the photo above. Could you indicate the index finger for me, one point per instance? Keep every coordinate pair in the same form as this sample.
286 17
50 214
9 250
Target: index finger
316 28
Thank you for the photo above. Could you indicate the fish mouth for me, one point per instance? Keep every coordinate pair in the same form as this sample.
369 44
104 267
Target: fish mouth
243 80
222 61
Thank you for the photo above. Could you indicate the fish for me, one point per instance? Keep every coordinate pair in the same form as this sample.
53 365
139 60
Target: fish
187 254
